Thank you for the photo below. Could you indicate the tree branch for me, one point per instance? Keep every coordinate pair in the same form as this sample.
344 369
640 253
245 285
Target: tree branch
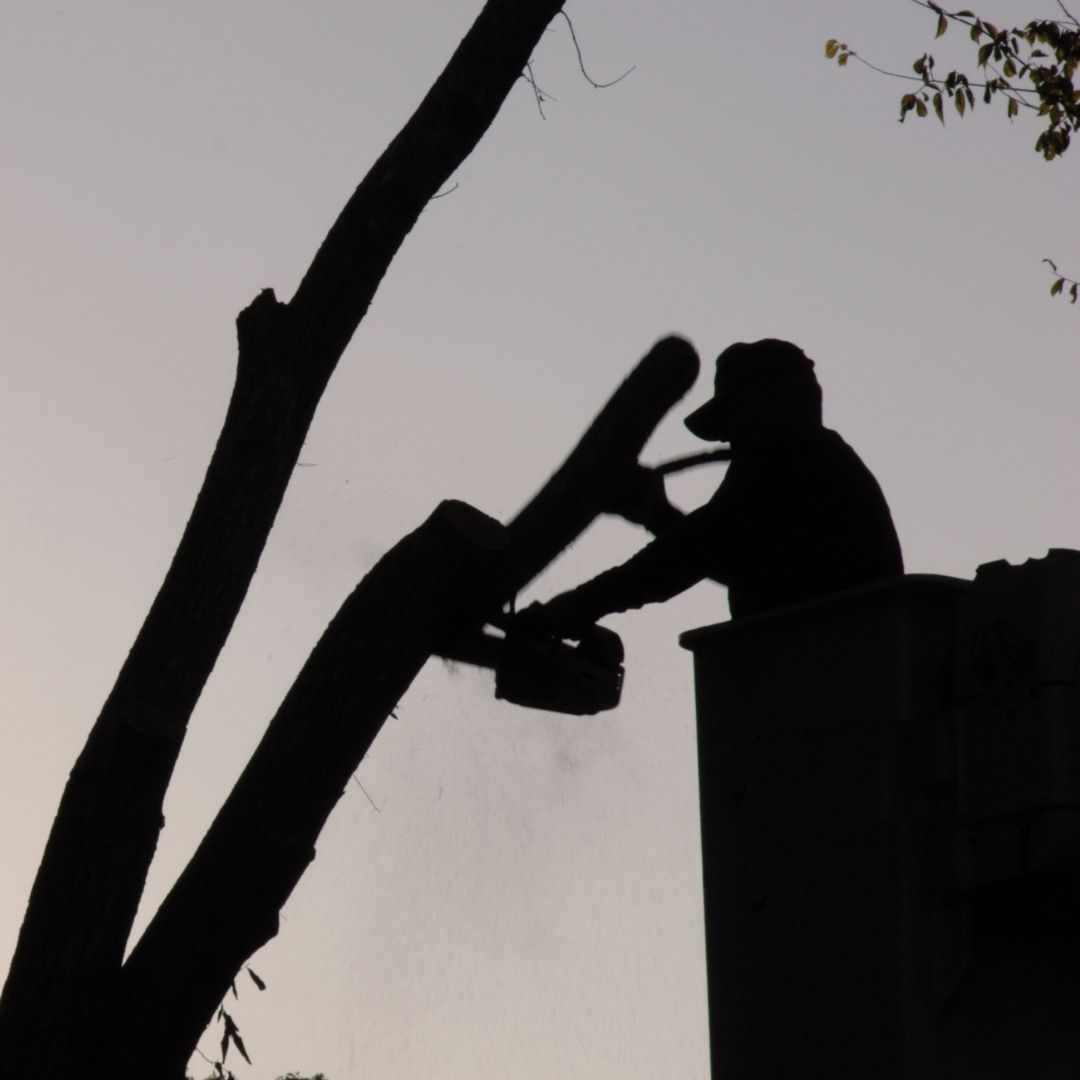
1068 14
574 496
225 904
59 987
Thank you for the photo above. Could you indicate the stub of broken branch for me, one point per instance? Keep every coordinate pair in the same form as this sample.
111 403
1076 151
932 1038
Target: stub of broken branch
574 495
259 322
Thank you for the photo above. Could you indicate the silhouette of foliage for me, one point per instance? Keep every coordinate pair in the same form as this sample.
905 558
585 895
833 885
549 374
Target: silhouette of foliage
1030 67
1060 281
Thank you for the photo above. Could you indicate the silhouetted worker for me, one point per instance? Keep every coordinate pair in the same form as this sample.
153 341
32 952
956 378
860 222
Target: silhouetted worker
797 514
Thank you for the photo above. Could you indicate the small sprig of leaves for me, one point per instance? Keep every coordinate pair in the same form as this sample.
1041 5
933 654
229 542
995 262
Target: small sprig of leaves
840 52
230 1036
230 1033
1063 285
1032 67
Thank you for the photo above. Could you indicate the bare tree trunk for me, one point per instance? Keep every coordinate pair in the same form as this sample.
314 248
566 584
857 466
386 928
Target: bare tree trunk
60 993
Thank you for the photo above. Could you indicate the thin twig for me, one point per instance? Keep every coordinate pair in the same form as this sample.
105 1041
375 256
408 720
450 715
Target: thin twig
936 83
365 791
448 191
539 94
884 71
581 60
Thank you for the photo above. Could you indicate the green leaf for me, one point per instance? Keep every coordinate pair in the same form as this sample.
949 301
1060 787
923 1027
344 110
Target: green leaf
960 103
984 54
842 59
832 46
255 979
920 107
1057 286
939 107
1072 293
1014 108
942 25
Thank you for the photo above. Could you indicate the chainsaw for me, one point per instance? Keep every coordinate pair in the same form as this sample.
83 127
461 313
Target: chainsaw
542 671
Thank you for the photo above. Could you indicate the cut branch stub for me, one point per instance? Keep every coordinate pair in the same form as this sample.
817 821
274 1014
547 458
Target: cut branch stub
567 504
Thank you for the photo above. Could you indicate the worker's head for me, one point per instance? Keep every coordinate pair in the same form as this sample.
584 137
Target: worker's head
765 386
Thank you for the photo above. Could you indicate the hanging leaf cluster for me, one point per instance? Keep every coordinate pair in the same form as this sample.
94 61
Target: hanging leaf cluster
1062 285
230 1036
1032 67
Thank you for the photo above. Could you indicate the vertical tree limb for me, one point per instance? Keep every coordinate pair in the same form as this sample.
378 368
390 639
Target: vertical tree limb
64 972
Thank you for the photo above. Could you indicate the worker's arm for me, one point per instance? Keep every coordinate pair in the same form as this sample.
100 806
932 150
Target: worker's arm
638 495
670 564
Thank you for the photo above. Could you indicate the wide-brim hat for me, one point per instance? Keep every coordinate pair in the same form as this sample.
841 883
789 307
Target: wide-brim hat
747 364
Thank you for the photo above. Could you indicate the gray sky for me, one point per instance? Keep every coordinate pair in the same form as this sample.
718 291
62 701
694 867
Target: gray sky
525 901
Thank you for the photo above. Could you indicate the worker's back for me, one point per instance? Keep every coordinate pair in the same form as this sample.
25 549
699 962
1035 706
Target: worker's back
800 517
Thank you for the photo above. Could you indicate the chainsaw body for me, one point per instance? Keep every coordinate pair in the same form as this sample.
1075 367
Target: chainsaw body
541 671
546 673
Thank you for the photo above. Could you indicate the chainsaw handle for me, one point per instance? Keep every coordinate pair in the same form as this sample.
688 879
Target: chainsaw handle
692 461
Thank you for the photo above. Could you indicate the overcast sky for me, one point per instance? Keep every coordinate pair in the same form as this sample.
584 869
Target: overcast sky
511 894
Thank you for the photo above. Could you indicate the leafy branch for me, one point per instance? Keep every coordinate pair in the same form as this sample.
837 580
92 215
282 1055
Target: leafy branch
1060 281
1031 67
230 1034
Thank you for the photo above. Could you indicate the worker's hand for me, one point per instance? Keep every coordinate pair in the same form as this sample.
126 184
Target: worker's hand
561 617
636 494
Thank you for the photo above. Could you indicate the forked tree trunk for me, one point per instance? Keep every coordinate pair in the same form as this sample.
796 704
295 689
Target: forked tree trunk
60 996
434 585
225 904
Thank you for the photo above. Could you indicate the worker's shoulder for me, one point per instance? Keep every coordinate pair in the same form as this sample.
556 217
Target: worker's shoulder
808 445
810 460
